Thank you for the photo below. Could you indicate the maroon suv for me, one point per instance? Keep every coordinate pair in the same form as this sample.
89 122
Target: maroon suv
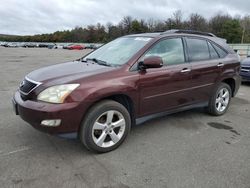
100 95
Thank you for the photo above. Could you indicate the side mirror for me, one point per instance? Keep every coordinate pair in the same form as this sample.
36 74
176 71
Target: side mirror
151 62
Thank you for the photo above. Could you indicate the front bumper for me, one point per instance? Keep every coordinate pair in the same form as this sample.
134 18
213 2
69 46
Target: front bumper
245 76
35 112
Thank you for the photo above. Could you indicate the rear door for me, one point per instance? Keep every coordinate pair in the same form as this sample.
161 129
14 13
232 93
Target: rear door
166 87
206 67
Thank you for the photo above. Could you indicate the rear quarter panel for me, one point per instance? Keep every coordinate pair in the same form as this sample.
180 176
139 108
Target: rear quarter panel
231 69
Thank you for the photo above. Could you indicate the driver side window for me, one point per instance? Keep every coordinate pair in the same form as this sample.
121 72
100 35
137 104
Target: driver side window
170 50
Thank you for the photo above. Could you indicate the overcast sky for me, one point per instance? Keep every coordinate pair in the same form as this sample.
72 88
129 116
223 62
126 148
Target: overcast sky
24 17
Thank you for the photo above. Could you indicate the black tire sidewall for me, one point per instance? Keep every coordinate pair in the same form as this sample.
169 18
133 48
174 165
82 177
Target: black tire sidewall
92 115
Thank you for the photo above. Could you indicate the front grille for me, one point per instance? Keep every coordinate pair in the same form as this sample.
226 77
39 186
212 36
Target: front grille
27 86
245 68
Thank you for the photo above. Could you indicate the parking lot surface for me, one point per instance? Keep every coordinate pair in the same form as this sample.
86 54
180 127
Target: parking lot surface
186 149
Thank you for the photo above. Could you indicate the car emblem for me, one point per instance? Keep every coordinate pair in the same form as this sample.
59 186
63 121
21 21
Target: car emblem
22 83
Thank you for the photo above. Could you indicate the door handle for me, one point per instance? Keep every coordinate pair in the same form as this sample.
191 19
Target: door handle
185 70
220 65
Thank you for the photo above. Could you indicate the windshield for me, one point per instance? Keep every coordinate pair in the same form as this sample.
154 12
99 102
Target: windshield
119 51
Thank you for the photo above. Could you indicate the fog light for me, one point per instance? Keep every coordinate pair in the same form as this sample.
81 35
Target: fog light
51 122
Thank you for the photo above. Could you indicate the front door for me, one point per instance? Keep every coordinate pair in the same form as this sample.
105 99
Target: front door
167 87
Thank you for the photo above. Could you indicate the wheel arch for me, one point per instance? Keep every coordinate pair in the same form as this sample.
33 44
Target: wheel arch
232 83
126 101
123 99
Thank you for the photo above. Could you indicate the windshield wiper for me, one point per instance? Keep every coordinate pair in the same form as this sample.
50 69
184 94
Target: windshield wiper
98 61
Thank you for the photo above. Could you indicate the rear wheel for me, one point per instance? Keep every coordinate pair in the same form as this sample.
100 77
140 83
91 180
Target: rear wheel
220 100
105 126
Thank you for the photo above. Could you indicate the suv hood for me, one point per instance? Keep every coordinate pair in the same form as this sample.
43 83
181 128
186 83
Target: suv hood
67 72
246 62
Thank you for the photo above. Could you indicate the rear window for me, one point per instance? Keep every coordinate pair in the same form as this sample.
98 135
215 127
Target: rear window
198 49
213 53
222 53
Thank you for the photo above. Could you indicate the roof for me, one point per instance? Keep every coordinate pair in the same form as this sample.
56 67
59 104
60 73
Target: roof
175 32
191 33
152 35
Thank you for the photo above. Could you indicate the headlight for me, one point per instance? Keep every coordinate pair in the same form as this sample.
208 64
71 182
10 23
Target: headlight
56 94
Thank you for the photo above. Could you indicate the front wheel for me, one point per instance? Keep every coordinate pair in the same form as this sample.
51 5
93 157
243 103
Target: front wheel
105 126
220 100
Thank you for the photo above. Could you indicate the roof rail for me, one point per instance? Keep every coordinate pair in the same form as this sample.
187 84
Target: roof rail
188 32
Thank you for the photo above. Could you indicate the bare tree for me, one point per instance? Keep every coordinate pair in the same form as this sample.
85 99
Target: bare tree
177 18
127 23
245 24
197 22
216 23
175 22
151 24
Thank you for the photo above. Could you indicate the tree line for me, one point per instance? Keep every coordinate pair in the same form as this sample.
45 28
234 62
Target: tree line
234 29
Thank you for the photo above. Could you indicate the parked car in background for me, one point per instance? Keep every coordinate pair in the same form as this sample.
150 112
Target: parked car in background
65 46
20 44
91 46
2 43
31 45
51 46
11 45
58 46
75 47
245 69
5 44
43 45
102 94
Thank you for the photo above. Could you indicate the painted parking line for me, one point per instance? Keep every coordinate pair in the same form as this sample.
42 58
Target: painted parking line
14 151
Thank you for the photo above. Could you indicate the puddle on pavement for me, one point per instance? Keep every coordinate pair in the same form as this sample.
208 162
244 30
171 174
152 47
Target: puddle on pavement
235 132
219 126
225 127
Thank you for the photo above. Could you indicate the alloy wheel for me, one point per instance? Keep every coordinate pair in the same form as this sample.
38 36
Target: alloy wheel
108 128
222 100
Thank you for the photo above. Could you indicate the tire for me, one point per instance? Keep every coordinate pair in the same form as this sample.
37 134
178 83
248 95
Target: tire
220 100
105 126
